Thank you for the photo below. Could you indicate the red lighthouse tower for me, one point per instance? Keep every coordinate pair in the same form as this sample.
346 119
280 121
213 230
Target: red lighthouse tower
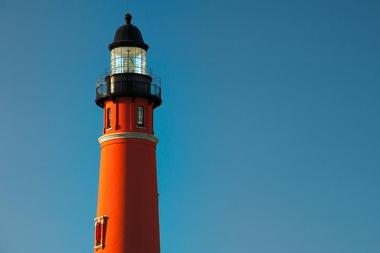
127 212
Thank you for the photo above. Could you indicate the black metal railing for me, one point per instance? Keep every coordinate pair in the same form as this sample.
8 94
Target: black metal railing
130 85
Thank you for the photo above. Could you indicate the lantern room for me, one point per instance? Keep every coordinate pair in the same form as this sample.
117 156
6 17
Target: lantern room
129 75
128 60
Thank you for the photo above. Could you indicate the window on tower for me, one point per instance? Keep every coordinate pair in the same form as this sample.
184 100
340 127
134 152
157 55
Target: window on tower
108 118
140 116
100 232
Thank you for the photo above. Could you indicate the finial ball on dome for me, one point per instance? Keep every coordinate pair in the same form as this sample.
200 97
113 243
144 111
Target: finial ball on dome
128 18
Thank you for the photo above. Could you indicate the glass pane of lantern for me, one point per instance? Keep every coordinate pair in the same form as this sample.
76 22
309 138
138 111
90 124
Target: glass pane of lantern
128 60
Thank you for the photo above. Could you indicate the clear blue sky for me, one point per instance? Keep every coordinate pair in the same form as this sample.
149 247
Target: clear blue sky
269 129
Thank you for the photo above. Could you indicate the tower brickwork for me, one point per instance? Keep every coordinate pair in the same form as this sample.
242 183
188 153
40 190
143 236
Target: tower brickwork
127 211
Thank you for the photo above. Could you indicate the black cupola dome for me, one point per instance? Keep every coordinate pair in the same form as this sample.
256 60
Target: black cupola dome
128 35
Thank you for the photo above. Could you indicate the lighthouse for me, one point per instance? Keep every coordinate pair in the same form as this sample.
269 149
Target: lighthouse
127 209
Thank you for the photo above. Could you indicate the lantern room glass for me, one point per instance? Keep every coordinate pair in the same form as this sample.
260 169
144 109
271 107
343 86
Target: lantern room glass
128 60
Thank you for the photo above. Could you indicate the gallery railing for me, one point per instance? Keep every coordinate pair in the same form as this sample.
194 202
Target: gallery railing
131 85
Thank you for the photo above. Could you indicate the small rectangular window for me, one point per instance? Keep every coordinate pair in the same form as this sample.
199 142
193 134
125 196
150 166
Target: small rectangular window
100 232
140 116
108 118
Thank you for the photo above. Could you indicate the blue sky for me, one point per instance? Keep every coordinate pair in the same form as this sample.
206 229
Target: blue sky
269 128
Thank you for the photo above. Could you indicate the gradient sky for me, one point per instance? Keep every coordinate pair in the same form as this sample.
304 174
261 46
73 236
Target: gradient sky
269 130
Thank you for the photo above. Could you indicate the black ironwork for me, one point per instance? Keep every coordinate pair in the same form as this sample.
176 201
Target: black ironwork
128 85
129 76
128 35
